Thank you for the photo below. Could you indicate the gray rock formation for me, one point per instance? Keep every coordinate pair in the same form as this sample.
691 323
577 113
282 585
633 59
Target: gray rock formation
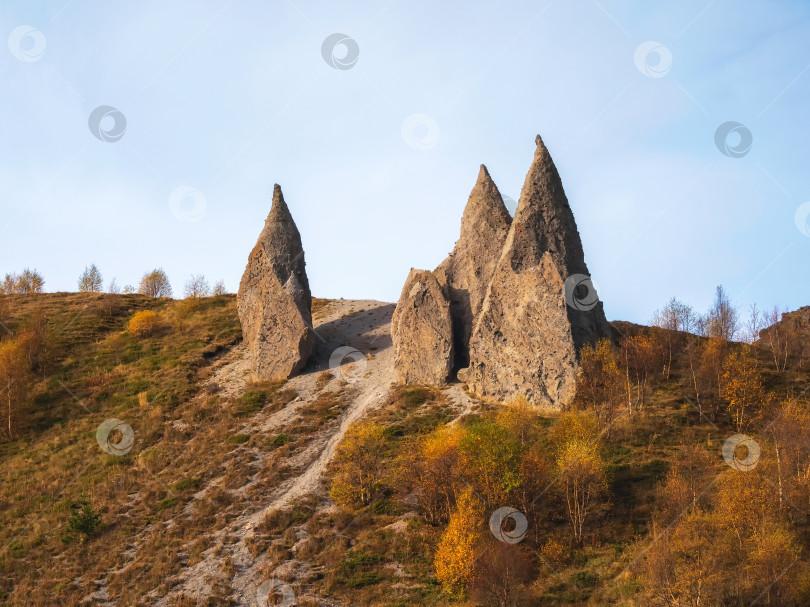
540 306
522 342
274 301
467 271
544 222
422 331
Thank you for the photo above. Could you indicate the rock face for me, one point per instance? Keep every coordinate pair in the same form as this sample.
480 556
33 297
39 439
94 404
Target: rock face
468 269
422 331
540 307
522 342
544 223
274 301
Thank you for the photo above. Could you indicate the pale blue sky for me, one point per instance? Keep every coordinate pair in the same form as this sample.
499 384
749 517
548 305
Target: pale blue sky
229 97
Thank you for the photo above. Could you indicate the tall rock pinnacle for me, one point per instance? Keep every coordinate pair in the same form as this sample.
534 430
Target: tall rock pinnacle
468 269
544 223
540 307
274 301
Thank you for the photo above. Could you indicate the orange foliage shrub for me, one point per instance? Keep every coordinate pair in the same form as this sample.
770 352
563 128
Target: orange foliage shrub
143 323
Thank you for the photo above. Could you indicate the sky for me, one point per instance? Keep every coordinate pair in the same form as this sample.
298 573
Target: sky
680 132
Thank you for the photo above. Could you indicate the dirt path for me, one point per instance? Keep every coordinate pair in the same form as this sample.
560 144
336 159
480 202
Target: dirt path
352 332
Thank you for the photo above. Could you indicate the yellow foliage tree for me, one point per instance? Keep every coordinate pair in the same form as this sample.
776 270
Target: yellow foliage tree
582 474
460 545
742 386
143 323
428 470
358 462
686 565
14 375
581 425
599 384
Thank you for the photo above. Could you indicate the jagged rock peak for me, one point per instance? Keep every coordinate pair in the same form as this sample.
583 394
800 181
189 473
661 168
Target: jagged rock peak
281 240
545 221
485 212
466 272
274 300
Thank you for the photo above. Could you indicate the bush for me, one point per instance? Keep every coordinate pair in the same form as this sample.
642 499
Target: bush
279 440
143 323
84 519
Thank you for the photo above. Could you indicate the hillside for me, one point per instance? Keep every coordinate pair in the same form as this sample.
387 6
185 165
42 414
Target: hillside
230 484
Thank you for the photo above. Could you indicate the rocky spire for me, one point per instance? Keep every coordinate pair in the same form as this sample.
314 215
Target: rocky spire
274 301
544 223
466 272
540 306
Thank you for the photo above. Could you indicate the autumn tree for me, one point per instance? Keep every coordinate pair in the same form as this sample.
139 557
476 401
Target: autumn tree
583 479
519 419
742 386
713 352
14 376
638 353
599 384
687 482
8 284
460 545
427 470
773 552
219 288
676 318
686 565
358 465
500 570
777 336
91 280
722 318
753 324
25 283
580 425
789 436
197 286
155 284
536 473
488 461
